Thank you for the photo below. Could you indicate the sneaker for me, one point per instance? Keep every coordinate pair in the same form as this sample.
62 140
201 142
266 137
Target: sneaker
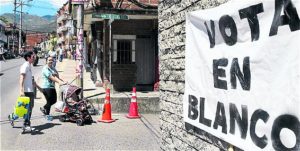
49 118
43 110
12 117
27 128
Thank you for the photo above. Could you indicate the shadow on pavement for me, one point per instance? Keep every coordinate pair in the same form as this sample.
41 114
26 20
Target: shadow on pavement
38 129
97 94
89 89
56 117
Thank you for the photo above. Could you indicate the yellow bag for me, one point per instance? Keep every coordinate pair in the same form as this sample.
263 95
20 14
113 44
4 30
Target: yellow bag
21 107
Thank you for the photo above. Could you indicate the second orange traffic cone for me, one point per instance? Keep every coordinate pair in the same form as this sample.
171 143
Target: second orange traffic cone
133 109
106 115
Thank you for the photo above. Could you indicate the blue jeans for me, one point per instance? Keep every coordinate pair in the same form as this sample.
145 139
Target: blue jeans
31 104
61 58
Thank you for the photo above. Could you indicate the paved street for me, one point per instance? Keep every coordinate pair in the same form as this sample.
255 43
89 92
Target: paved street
10 71
125 134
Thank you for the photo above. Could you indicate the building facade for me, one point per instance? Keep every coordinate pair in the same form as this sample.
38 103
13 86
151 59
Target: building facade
3 37
13 39
32 40
128 43
175 133
120 43
65 27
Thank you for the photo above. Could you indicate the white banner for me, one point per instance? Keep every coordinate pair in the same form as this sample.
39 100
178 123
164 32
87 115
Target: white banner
243 73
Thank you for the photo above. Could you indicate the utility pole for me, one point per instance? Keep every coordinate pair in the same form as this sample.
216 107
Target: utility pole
79 48
21 3
20 29
80 16
14 26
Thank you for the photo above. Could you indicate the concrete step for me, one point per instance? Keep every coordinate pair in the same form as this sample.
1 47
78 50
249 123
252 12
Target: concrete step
120 104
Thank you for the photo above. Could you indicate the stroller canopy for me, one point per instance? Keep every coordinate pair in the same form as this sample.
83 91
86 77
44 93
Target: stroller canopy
70 90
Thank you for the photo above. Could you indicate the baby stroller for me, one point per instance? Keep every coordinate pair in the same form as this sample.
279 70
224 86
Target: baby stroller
75 110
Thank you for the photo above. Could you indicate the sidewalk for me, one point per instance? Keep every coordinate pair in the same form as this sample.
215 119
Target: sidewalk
148 102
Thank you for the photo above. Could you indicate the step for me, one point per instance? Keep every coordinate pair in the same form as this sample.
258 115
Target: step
120 104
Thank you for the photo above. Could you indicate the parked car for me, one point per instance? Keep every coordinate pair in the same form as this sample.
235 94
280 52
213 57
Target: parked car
9 55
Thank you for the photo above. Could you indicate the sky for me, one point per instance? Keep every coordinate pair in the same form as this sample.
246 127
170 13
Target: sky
35 7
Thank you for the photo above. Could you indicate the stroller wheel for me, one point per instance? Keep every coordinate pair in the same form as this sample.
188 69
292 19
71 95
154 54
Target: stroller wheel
89 121
79 122
62 118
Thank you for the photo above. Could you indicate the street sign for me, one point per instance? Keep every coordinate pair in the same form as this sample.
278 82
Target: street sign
79 1
111 16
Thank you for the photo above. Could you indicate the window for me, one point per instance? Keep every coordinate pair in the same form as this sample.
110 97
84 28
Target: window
123 52
124 49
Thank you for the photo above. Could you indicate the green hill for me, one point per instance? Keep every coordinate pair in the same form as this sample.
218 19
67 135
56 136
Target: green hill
34 23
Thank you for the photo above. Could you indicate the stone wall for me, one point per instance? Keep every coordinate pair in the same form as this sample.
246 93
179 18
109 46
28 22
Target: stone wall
175 135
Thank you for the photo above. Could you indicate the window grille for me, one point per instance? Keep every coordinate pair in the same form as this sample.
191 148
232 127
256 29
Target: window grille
124 52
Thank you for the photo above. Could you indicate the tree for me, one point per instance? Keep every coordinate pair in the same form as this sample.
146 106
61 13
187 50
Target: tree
4 19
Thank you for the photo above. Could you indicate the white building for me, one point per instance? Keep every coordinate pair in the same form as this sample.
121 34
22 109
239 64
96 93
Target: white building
3 37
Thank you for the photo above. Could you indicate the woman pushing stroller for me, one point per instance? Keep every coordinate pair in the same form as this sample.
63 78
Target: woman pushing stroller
49 76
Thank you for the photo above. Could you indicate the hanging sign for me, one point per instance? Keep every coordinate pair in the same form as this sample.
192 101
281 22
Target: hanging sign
111 16
242 74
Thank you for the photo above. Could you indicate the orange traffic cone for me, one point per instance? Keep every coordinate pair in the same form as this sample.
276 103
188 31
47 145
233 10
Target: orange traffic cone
106 115
133 110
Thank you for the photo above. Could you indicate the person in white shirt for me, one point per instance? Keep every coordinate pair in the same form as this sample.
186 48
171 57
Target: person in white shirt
52 54
2 51
61 53
27 84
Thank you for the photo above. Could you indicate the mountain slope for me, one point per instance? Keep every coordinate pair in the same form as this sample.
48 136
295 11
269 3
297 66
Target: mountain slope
49 17
34 23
